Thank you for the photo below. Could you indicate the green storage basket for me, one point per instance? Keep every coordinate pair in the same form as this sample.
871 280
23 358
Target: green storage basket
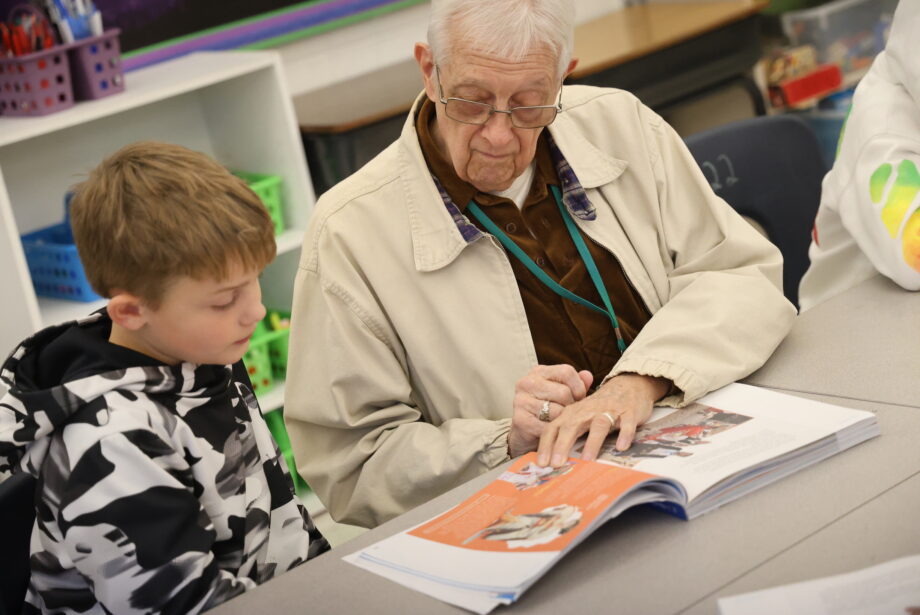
278 347
266 359
258 360
275 421
268 189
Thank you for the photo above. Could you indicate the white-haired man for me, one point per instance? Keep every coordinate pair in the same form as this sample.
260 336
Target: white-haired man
527 261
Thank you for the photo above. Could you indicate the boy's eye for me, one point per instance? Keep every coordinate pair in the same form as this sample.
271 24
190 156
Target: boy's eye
224 306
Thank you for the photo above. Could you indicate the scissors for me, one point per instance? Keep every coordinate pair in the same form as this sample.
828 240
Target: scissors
26 34
6 40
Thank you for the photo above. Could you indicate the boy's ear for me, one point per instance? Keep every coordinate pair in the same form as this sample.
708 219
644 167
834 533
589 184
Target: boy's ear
127 310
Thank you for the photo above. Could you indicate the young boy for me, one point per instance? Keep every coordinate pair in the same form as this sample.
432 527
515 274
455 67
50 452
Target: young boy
159 487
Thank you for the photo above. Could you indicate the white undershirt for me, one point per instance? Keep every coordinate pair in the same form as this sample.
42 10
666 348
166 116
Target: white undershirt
520 187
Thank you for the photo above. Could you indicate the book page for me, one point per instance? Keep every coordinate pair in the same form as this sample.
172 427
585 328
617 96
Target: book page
503 537
728 431
892 587
532 508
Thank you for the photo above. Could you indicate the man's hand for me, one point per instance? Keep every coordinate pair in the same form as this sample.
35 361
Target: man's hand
560 385
624 402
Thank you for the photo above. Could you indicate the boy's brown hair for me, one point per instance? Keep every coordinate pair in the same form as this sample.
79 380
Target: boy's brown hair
153 211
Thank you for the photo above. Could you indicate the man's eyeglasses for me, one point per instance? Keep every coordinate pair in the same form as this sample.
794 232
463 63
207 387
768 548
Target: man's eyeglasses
471 112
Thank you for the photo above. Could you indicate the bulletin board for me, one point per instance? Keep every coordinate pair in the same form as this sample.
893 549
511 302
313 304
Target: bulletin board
157 30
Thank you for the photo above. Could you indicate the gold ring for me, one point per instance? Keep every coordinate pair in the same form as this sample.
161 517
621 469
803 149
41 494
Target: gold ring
544 412
612 420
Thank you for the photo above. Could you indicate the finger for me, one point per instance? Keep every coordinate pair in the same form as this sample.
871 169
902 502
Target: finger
598 432
628 423
566 374
587 378
565 440
554 411
547 440
539 388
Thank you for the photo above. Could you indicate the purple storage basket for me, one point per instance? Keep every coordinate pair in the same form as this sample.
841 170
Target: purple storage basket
95 64
36 83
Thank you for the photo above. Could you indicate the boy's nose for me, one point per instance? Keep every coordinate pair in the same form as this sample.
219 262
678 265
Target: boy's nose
255 313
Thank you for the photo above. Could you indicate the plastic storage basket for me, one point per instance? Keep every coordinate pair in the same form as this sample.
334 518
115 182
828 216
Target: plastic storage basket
266 359
54 265
848 33
95 64
36 83
268 188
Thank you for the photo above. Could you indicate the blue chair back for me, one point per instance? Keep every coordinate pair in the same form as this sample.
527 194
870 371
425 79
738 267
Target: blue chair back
769 169
17 515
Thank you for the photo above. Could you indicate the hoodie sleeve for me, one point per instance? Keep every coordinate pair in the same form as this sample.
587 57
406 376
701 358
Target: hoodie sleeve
880 207
133 527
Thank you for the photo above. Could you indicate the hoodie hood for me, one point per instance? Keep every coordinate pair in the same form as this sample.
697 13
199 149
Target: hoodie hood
65 370
903 48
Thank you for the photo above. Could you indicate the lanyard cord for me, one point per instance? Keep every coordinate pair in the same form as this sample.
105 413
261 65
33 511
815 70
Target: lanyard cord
543 277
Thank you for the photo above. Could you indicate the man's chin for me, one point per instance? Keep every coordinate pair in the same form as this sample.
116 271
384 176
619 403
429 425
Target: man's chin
491 183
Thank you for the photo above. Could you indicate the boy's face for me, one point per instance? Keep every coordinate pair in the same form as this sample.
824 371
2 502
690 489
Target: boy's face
202 321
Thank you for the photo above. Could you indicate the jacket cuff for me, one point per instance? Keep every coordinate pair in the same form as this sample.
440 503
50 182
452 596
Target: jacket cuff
495 451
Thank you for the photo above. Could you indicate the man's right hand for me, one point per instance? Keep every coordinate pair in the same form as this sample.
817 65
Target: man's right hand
560 385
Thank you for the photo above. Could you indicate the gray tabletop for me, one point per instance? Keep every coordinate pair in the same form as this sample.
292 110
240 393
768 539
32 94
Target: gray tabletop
863 344
649 562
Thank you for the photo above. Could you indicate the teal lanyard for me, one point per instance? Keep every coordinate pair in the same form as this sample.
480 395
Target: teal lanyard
543 277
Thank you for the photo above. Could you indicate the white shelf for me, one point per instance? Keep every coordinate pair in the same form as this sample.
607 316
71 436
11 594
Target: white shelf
233 106
143 87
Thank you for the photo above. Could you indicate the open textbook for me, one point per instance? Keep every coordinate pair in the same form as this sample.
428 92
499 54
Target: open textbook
892 587
490 548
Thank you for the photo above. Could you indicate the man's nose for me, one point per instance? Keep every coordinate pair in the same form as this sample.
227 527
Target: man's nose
498 129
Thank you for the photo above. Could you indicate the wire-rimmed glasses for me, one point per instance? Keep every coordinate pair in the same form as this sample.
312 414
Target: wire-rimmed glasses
472 112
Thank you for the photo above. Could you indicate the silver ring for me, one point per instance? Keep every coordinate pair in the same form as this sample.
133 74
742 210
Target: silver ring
612 420
544 412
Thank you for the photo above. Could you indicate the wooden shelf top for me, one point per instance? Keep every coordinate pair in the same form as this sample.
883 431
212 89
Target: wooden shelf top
636 31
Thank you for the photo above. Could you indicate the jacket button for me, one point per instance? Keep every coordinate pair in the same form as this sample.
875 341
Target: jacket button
511 227
541 261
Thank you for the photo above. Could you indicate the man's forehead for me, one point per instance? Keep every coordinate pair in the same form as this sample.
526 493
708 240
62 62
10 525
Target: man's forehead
469 65
499 75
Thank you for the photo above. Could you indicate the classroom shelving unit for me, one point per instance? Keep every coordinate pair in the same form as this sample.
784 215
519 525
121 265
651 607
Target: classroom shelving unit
234 106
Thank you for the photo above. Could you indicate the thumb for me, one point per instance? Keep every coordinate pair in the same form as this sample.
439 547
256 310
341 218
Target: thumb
586 377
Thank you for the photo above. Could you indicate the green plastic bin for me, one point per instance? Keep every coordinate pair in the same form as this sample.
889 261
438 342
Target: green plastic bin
278 346
268 189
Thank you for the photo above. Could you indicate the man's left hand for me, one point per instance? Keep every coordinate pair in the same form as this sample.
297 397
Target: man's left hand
625 402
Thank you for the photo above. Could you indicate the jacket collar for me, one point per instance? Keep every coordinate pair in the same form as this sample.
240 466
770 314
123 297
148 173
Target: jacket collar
439 229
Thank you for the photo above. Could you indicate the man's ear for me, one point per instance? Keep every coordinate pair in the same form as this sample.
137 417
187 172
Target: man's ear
425 61
127 310
568 71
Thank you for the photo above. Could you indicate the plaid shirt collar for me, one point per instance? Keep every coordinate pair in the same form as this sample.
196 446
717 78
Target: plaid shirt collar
573 195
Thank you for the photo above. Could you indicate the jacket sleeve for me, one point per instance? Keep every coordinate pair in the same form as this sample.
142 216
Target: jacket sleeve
724 313
359 434
880 209
133 527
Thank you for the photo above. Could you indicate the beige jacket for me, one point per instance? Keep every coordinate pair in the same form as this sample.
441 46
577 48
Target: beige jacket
406 340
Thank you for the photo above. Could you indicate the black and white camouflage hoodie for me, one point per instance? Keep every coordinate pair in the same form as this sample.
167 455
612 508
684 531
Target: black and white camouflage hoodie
160 488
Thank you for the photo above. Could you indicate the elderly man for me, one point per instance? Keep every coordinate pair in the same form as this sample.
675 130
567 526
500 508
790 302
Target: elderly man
527 260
